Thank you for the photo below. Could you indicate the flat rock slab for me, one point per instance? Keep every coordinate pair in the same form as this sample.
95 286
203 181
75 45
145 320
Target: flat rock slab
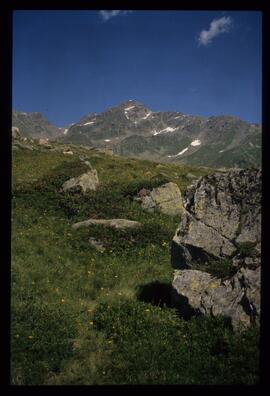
112 223
23 145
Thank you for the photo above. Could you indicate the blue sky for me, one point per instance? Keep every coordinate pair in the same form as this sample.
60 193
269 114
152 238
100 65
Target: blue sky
67 64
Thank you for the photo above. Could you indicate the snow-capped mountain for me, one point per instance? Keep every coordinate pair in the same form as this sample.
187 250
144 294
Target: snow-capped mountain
132 129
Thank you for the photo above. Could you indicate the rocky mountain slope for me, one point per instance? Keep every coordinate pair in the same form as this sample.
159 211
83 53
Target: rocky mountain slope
34 125
133 130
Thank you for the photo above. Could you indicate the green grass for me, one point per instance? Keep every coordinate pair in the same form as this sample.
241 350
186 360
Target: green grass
76 315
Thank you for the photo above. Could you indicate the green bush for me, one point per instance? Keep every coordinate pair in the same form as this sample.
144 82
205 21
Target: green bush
246 249
222 268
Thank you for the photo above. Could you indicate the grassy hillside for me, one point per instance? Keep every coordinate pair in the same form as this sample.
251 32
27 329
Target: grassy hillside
80 316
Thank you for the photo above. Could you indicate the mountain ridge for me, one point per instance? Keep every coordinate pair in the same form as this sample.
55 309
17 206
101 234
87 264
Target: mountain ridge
131 129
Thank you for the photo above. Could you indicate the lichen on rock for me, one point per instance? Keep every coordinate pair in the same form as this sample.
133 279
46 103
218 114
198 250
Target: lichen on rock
166 198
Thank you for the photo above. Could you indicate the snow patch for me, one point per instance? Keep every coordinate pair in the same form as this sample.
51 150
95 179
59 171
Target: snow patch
90 122
65 131
129 108
196 142
147 115
168 129
181 152
221 151
107 140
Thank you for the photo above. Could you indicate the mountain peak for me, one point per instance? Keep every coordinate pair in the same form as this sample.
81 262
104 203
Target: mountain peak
131 102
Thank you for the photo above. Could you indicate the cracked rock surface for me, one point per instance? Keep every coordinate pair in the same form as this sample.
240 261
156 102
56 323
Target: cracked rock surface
222 220
221 211
166 198
237 298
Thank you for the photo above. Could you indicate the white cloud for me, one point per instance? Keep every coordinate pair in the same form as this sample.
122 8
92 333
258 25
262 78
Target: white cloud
108 14
217 26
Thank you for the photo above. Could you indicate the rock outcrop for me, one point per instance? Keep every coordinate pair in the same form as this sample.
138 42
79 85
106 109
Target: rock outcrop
16 134
166 198
222 211
45 143
85 182
112 223
237 299
221 220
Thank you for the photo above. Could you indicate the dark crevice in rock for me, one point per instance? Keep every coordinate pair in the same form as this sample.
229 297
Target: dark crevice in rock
156 293
184 256
164 295
248 308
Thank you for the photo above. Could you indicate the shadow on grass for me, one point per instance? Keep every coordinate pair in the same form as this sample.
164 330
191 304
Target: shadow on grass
164 295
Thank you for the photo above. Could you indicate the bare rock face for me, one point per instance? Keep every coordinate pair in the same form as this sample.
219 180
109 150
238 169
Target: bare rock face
166 198
237 298
222 220
85 182
221 212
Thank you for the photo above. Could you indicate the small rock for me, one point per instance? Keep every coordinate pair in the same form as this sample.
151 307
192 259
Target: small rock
143 193
87 181
68 152
113 223
97 245
44 142
16 134
191 176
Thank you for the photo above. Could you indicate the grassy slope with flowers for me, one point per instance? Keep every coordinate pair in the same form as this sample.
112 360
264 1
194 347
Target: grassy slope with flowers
77 314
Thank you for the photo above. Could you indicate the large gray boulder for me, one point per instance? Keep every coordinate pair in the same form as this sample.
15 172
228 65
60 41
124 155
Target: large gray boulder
221 212
237 299
85 182
166 198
